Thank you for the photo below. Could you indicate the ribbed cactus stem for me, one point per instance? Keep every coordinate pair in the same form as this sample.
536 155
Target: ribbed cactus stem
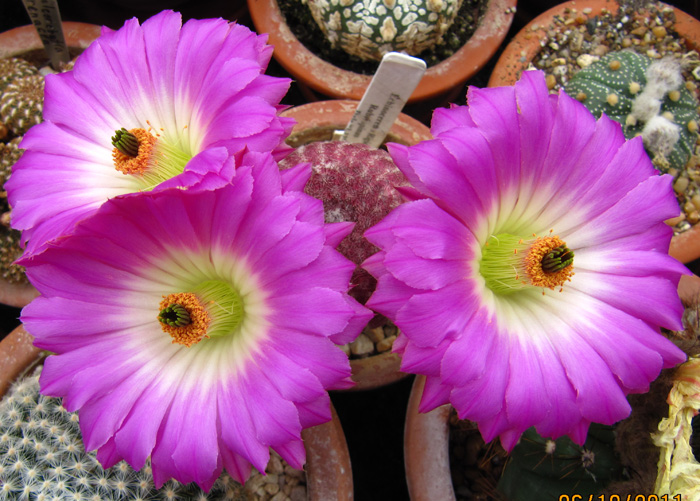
369 29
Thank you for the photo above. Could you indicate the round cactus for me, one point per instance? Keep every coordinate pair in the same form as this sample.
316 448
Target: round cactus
369 29
10 249
647 97
356 184
22 103
42 458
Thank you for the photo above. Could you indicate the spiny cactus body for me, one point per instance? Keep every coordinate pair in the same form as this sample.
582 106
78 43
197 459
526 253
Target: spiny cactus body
356 184
22 103
12 68
647 97
42 458
543 469
369 29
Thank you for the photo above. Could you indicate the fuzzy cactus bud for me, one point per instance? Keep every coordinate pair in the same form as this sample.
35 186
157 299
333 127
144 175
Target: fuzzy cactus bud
42 458
645 96
356 183
22 103
369 29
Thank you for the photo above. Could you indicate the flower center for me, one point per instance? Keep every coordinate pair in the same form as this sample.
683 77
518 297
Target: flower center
149 158
510 263
212 309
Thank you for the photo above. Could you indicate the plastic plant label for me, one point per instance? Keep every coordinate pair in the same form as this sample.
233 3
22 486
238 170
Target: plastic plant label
47 21
391 86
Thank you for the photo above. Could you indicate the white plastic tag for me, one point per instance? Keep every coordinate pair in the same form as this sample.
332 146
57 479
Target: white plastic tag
47 21
391 86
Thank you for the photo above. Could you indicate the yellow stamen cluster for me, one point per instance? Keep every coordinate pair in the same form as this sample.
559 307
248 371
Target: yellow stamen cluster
533 264
139 164
192 333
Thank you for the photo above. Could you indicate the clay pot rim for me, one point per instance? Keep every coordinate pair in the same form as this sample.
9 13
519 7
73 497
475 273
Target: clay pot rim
427 449
25 38
521 50
338 83
335 114
323 461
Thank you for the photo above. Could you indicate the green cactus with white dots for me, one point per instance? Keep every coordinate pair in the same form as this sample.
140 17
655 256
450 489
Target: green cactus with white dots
646 97
544 469
42 458
369 29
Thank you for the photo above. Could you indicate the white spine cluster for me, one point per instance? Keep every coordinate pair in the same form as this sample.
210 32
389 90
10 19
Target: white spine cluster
42 458
660 134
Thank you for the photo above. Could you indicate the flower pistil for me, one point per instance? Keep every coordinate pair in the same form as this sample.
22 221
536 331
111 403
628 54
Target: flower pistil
147 157
511 263
213 309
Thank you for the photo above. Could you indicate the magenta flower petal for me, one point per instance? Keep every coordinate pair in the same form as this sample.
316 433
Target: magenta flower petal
145 78
531 285
199 352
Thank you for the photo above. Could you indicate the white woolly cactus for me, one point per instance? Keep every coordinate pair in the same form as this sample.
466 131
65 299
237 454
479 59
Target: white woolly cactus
369 29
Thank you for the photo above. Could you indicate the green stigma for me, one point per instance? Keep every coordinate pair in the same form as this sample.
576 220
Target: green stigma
126 142
224 304
174 315
510 263
501 263
557 259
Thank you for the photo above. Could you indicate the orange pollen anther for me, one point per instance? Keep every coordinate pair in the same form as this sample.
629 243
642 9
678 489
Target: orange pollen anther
192 333
139 164
533 264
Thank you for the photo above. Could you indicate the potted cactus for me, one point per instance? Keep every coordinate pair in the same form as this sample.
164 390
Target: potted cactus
373 175
54 463
21 99
441 81
599 53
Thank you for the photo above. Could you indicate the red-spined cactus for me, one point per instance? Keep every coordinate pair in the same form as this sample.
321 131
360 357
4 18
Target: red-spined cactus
356 183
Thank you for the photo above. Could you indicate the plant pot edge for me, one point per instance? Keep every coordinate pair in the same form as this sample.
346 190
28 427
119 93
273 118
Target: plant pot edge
337 83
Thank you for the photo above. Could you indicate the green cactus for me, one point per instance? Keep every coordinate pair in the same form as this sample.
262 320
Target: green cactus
22 103
542 469
42 458
369 29
646 97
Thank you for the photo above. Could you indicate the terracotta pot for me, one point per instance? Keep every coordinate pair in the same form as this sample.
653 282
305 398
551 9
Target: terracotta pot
439 82
427 449
316 122
23 41
328 470
526 44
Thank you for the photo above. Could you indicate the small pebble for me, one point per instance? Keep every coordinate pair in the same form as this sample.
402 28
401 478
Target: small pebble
681 184
362 346
386 344
551 81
